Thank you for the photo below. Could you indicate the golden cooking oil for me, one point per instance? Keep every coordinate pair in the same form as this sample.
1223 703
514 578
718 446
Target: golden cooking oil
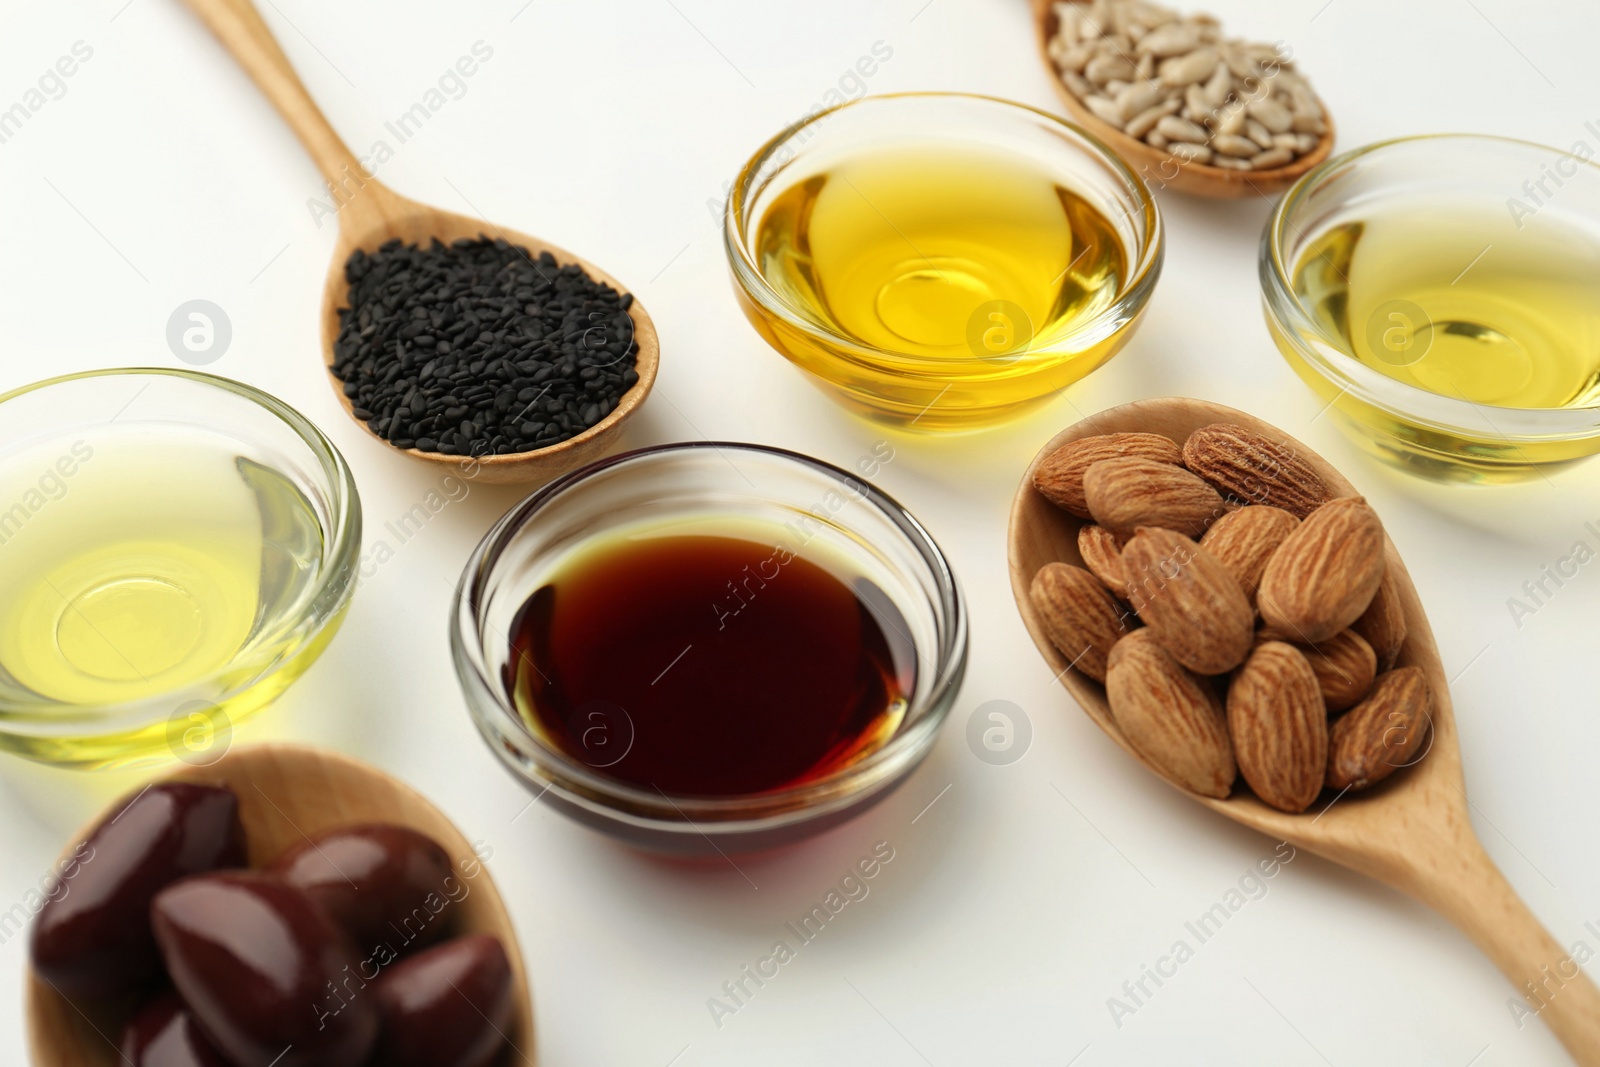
952 265
135 565
1459 299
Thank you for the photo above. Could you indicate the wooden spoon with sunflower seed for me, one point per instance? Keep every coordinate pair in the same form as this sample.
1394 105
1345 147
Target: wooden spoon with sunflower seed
1188 109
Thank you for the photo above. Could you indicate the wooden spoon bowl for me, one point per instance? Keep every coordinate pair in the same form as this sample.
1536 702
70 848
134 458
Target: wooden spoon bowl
1412 831
370 214
1158 168
286 793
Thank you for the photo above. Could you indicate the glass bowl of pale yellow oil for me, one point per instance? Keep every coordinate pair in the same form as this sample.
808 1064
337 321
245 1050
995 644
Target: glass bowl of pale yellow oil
175 550
938 260
1442 295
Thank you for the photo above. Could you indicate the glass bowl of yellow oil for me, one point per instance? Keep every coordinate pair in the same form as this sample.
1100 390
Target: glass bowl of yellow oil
175 550
1442 295
939 260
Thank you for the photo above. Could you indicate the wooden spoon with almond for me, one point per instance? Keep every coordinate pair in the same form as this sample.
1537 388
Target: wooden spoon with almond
1412 831
286 793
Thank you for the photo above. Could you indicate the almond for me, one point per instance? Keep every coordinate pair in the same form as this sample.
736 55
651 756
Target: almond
1103 556
1171 717
1383 624
1192 605
1245 539
1344 664
1127 493
1382 733
1279 727
1254 468
1324 575
1059 476
1078 616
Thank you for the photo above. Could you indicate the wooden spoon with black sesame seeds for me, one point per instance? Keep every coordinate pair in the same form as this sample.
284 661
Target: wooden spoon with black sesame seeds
371 214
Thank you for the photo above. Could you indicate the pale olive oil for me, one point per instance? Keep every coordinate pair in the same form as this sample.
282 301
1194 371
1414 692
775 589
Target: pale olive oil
1461 299
134 566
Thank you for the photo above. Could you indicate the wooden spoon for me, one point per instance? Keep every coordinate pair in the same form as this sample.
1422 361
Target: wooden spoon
286 793
375 214
1412 831
1158 168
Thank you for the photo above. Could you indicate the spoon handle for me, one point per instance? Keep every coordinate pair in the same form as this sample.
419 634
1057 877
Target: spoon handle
1469 890
240 29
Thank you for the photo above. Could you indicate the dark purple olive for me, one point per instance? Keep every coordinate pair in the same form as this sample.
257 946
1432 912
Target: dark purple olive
164 1034
446 1007
265 972
384 884
92 937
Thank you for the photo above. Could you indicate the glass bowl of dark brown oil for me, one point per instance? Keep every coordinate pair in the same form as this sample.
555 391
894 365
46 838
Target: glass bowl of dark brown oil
710 646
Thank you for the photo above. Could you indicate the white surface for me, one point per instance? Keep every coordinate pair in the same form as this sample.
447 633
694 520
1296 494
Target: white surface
1022 900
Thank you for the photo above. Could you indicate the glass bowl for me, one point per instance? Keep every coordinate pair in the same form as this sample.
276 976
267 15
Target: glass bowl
175 550
1436 435
707 485
1002 368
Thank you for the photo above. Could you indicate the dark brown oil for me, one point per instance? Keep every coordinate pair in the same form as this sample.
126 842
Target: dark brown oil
704 665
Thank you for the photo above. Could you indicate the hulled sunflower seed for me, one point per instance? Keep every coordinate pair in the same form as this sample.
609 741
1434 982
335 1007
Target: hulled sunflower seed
1172 39
1151 15
1275 158
1071 58
1191 153
1137 99
1238 65
1104 109
1301 102
1233 145
1146 120
1193 67
1230 119
1219 85
1175 129
1104 68
1271 114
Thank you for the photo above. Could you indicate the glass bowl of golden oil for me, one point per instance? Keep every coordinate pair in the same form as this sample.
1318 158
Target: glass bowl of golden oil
175 550
1442 295
939 260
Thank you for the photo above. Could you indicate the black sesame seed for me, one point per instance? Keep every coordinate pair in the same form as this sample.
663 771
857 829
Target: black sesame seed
536 351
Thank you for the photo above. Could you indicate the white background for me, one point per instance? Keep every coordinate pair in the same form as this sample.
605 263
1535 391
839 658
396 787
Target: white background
1021 900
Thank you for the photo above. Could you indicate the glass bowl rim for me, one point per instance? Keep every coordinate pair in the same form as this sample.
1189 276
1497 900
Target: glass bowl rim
1413 403
600 794
332 591
1135 292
